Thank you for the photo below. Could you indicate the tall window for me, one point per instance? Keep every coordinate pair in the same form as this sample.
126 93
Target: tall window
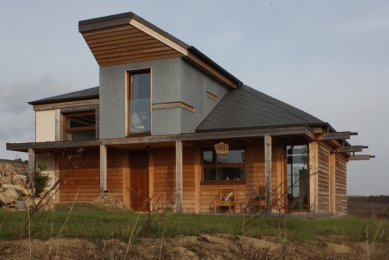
139 102
224 168
79 126
297 176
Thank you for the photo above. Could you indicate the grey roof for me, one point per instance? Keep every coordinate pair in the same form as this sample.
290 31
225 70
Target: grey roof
89 93
125 18
247 108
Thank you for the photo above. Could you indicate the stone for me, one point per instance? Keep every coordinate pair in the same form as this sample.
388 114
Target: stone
21 190
8 186
6 180
11 194
4 200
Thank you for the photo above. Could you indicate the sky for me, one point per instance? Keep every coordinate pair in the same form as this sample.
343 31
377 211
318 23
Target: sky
329 58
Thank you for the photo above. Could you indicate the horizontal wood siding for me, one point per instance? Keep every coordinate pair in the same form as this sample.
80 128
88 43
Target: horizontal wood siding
323 175
116 163
164 177
341 184
81 176
188 200
126 44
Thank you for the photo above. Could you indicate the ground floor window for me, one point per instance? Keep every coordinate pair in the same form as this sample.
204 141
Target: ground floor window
224 168
297 177
79 126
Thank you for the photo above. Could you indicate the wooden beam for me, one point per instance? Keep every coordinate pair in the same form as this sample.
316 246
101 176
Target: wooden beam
337 136
158 36
332 183
103 168
352 148
360 157
283 131
268 170
179 176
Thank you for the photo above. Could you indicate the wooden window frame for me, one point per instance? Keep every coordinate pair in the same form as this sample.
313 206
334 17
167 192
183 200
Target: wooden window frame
223 165
129 74
66 130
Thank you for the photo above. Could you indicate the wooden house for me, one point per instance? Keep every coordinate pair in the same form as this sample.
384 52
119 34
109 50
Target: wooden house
168 126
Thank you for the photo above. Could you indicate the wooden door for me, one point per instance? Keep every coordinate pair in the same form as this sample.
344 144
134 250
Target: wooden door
139 165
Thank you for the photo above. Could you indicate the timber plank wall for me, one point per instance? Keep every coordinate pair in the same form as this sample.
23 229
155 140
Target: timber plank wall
323 174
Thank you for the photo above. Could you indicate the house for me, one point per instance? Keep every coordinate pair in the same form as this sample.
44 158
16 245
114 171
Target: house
169 126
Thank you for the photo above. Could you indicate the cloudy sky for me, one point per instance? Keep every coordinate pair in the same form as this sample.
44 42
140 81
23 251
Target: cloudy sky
329 58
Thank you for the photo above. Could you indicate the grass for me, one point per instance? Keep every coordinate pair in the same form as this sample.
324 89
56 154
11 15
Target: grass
92 223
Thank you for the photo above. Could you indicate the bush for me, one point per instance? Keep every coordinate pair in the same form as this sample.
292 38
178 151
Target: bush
40 182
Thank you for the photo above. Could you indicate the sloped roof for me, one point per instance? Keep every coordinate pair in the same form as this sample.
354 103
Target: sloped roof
89 93
247 108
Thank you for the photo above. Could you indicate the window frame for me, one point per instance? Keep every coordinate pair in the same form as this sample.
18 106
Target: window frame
128 79
222 165
66 130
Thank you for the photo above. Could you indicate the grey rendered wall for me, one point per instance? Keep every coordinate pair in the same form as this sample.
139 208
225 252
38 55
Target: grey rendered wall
165 87
194 84
173 80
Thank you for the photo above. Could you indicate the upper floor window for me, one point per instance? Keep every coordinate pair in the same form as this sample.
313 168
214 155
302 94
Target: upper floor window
79 126
139 102
229 167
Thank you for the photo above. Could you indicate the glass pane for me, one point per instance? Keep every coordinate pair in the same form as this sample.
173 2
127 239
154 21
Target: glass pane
80 121
140 113
208 156
224 174
297 177
209 174
81 135
233 156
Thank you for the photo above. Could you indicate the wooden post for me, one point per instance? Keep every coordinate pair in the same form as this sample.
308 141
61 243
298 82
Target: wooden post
268 171
197 173
313 176
178 176
31 160
151 178
103 168
332 188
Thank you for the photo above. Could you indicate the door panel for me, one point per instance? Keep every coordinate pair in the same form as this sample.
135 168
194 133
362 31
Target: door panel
139 165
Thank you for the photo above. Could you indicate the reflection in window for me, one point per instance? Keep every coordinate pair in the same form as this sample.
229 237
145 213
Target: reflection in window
297 176
139 102
80 126
229 167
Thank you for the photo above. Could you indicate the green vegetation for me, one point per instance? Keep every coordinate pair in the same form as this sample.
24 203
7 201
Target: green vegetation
90 222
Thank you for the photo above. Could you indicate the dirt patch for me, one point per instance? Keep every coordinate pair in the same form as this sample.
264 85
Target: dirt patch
185 247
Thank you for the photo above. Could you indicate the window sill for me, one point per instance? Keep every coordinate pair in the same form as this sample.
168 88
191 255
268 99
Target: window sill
223 182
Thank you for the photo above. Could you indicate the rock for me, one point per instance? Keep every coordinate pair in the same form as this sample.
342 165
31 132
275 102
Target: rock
21 190
4 200
11 194
6 180
8 186
16 179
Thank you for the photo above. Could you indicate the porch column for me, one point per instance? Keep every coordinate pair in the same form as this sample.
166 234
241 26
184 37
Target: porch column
178 176
313 175
103 168
268 171
31 162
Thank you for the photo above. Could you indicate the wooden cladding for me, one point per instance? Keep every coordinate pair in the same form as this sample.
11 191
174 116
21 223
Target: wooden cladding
341 184
323 178
211 95
173 105
126 44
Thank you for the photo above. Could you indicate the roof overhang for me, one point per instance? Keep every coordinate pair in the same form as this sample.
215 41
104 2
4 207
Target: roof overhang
126 38
57 145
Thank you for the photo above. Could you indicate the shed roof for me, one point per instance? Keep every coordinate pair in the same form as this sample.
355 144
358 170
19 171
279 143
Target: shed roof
247 108
89 93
